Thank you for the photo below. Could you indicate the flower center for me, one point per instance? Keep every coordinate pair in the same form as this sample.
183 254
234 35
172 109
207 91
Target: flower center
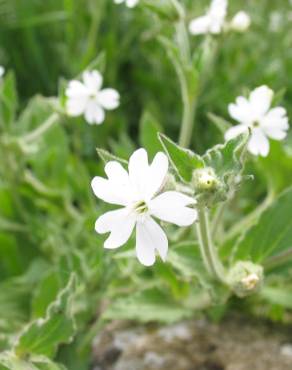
256 124
141 207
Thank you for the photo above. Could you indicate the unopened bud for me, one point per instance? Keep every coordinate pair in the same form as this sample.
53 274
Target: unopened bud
205 179
245 278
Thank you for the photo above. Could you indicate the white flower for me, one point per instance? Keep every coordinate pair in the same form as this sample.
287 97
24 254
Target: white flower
256 113
240 22
129 3
87 98
2 71
136 191
213 21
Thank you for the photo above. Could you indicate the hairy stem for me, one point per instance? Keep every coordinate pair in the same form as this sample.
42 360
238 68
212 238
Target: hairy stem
39 131
209 253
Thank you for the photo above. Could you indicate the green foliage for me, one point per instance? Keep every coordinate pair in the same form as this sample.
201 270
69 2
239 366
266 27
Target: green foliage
147 305
272 234
43 335
184 161
149 128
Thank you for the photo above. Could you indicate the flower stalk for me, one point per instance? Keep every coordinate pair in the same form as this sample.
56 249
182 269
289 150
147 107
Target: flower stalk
207 248
39 131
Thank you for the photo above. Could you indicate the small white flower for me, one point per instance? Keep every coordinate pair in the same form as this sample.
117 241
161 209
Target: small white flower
2 71
87 98
136 191
213 21
265 122
129 3
240 22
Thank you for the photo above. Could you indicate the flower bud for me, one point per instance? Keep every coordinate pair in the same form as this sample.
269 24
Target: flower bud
240 22
245 278
205 179
208 187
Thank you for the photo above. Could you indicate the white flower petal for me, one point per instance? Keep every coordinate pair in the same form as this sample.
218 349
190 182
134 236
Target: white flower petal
200 25
234 131
92 80
276 118
76 89
109 98
240 22
76 106
119 176
108 191
138 172
171 206
119 223
109 220
157 174
241 110
2 71
258 143
150 237
260 100
94 113
275 133
132 3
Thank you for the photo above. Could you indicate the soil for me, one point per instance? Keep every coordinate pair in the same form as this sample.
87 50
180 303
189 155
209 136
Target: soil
234 344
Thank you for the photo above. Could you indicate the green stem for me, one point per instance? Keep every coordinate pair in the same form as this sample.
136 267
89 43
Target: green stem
209 253
217 220
187 126
39 131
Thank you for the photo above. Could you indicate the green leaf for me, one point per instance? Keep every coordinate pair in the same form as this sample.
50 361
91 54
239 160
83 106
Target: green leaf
43 336
145 306
107 156
8 99
12 362
278 295
45 293
272 235
277 166
37 111
227 159
184 161
149 128
163 8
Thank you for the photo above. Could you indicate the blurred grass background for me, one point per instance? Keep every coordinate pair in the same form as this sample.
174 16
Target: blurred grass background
45 40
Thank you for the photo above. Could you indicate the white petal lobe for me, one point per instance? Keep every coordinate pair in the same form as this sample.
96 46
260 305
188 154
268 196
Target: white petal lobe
172 207
109 98
150 237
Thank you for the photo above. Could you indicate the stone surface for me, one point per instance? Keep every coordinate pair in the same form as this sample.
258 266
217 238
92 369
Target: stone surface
235 344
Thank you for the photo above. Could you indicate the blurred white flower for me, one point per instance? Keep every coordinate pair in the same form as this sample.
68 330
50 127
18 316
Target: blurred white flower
2 71
129 3
87 98
265 122
213 21
240 22
136 191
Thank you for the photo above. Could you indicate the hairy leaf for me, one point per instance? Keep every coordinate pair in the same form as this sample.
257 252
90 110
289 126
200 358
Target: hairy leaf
272 234
183 160
42 336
